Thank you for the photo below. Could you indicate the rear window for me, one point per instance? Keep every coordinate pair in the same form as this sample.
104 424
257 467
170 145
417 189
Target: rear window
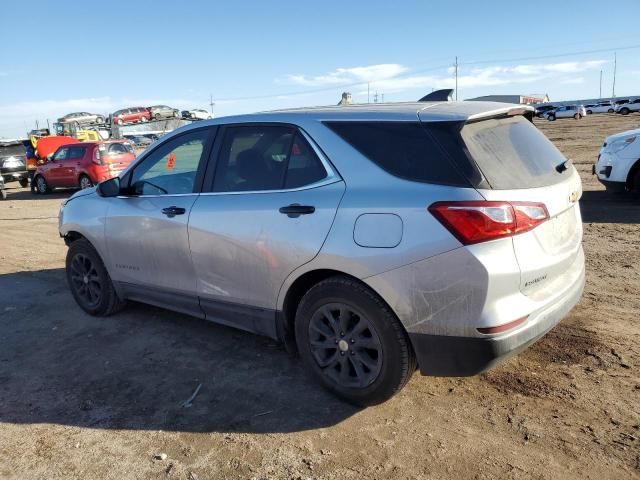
12 150
403 149
118 148
513 153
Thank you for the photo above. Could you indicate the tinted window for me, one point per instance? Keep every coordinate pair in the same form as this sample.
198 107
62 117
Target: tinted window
406 150
171 168
119 148
61 154
304 167
252 158
513 153
75 153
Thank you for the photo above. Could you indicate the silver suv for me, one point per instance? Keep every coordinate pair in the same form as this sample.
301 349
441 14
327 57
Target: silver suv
371 239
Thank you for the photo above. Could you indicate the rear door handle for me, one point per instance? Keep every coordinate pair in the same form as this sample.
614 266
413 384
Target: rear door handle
173 211
295 210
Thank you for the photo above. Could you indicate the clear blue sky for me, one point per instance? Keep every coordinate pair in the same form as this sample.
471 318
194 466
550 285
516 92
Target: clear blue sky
59 57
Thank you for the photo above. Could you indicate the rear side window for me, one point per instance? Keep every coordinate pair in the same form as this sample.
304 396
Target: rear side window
403 149
260 158
512 153
119 148
75 153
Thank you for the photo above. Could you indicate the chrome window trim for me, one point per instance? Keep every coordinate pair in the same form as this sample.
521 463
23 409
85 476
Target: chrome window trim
321 183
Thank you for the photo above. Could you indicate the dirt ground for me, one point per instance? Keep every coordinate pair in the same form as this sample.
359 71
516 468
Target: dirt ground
84 397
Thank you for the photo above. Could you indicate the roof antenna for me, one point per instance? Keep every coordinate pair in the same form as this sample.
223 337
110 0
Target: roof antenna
443 95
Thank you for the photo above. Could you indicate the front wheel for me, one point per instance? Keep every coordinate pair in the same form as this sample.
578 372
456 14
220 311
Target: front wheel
42 187
24 182
551 118
610 110
352 342
89 280
624 111
3 194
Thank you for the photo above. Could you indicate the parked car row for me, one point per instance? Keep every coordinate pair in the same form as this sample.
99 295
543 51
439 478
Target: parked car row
13 163
134 115
622 106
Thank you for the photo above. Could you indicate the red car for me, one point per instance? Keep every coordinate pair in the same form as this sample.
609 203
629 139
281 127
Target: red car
82 165
131 115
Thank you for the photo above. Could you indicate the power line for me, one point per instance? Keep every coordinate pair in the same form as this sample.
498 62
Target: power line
425 70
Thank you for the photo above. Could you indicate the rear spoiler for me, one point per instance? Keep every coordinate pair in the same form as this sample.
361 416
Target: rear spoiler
525 110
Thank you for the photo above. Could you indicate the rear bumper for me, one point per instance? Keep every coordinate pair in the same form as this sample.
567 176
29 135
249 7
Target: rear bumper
452 356
613 186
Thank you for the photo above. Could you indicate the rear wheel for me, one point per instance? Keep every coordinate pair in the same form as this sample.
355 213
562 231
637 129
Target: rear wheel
610 110
24 182
624 111
89 280
576 116
157 116
352 342
120 121
85 182
3 194
42 187
551 118
589 112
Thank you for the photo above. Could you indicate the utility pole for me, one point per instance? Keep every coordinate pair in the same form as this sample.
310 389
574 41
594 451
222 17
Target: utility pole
615 62
211 103
368 89
600 97
375 97
456 67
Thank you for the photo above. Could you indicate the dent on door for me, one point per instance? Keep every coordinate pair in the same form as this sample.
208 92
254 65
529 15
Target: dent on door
245 245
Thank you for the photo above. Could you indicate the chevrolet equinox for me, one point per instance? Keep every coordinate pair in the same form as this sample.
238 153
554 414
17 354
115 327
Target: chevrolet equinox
372 239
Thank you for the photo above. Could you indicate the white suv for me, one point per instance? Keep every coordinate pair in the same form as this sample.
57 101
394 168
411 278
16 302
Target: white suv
618 164
601 107
627 108
567 111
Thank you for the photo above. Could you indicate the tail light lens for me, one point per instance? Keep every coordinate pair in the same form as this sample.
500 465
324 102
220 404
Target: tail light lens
96 157
481 221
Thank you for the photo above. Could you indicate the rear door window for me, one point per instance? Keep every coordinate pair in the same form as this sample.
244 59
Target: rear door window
265 157
512 153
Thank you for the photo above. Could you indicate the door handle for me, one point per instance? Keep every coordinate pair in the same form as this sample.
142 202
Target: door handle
173 211
295 210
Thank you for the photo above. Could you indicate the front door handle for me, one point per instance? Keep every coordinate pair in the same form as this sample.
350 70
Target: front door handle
173 211
295 210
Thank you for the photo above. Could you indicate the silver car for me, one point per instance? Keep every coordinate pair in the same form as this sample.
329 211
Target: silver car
158 112
371 239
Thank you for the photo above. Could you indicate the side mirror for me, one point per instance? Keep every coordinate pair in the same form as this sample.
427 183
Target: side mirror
109 188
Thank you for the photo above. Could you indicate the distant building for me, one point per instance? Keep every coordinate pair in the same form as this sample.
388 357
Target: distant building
522 99
346 99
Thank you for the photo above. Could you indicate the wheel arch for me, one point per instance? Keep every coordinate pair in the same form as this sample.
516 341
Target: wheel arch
287 313
632 174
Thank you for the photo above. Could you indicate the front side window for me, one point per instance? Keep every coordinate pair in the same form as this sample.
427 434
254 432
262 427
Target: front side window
260 158
171 168
61 154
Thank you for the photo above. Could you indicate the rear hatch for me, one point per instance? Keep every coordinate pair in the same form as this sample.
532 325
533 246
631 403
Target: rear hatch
517 163
115 155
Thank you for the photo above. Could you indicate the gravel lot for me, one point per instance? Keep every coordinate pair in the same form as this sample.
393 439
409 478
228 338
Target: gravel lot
84 397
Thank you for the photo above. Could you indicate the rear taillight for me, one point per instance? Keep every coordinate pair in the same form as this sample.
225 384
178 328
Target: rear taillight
96 157
481 221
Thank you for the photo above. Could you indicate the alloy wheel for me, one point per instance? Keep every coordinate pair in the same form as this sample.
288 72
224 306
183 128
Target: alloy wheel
85 280
345 345
85 182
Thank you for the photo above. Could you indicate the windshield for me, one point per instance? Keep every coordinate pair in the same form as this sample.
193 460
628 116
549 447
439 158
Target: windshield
15 150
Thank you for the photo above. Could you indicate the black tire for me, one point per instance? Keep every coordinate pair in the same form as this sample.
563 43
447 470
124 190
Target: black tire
378 357
635 186
157 116
42 187
624 111
84 182
89 280
100 120
611 110
589 112
24 182
3 194
551 118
